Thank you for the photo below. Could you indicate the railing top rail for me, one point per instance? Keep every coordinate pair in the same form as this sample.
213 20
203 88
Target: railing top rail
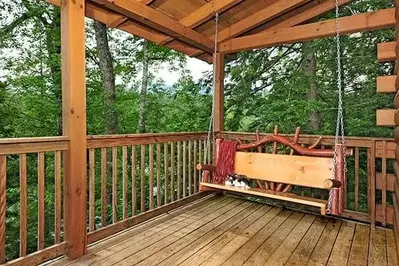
33 140
309 136
145 135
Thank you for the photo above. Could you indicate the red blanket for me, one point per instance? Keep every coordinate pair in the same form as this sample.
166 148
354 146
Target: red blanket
225 160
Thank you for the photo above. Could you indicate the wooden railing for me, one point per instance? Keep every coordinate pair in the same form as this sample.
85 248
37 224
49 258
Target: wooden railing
30 174
145 175
370 179
132 178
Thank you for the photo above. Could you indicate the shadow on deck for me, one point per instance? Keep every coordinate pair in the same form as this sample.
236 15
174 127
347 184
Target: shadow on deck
231 231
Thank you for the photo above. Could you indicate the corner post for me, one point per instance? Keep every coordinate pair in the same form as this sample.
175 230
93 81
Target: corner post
74 124
218 124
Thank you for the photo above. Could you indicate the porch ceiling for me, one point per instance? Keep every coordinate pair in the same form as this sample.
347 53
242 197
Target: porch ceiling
188 26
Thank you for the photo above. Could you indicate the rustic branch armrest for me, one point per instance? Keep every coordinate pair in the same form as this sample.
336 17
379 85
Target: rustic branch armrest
206 167
332 183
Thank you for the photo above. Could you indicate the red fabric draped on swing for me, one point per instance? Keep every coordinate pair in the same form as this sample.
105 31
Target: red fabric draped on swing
225 154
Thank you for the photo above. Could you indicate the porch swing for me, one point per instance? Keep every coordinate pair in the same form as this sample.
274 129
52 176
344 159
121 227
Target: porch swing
273 175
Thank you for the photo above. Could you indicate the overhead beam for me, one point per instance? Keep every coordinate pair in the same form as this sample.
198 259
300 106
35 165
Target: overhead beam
386 84
306 13
203 14
386 52
258 18
356 23
386 117
157 20
292 18
112 19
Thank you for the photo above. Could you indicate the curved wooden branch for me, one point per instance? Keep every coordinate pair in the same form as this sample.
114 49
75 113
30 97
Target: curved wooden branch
314 145
298 148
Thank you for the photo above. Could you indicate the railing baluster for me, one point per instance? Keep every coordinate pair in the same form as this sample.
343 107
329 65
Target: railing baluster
3 206
103 186
151 190
159 184
166 162
124 182
204 157
40 212
58 197
190 182
384 183
114 184
23 208
184 168
92 175
357 184
194 167
371 182
199 159
172 172
178 170
134 181
142 179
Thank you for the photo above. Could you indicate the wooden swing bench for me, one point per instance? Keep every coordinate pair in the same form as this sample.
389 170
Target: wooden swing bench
306 171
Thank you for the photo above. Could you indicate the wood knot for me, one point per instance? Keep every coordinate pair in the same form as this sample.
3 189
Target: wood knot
72 111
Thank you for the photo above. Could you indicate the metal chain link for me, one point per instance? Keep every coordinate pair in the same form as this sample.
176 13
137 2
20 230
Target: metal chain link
339 130
210 128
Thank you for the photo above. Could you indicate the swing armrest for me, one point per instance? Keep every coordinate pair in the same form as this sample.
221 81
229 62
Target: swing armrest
332 183
206 167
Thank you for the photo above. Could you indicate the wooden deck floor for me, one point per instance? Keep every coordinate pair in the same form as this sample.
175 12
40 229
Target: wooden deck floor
231 231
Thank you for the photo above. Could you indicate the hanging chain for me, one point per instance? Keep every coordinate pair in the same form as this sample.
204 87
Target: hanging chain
339 130
210 128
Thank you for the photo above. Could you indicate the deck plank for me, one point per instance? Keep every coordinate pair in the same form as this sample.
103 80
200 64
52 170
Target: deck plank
233 231
377 250
305 248
194 239
282 254
391 250
146 237
260 256
205 224
221 255
325 244
242 255
360 245
218 238
340 253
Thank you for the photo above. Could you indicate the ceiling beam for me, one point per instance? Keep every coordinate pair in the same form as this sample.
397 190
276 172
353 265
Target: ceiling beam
157 20
296 18
357 23
258 18
109 18
146 2
204 13
386 51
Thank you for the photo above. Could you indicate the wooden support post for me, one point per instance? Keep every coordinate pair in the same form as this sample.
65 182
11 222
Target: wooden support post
219 93
74 124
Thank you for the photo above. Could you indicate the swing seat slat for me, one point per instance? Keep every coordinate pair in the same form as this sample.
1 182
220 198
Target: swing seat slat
269 194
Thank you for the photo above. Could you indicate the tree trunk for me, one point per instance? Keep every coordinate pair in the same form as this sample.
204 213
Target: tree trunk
143 89
309 68
53 46
108 75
